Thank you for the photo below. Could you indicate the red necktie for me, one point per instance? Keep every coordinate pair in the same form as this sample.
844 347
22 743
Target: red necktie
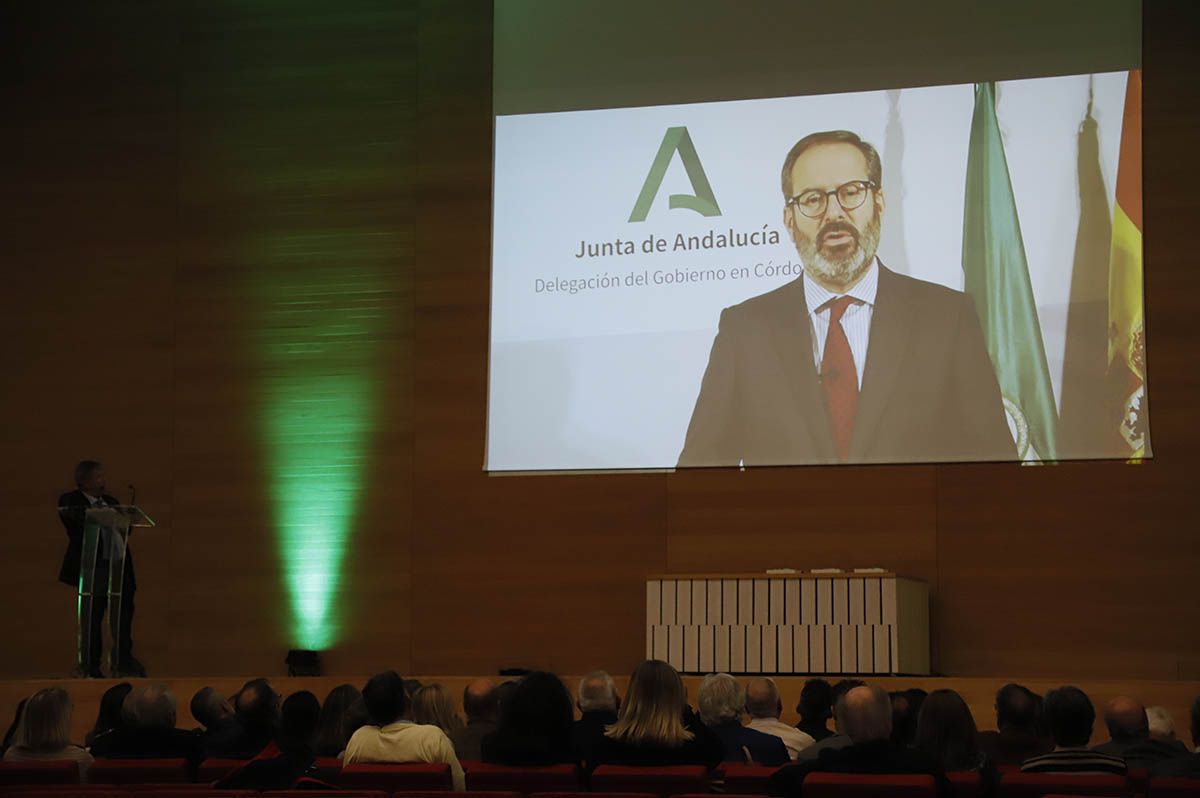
839 377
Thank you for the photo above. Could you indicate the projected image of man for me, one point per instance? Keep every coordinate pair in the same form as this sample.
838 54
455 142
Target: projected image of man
851 362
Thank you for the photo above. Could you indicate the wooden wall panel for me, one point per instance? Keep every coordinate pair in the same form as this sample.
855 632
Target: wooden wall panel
88 226
544 571
221 170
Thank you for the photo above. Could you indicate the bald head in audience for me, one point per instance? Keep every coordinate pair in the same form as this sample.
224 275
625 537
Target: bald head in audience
762 699
864 714
1126 719
479 700
210 707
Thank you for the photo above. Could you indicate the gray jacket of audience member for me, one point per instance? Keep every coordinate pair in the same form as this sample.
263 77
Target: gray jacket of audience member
831 742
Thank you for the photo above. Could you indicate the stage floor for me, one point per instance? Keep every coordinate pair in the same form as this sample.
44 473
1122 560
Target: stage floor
979 693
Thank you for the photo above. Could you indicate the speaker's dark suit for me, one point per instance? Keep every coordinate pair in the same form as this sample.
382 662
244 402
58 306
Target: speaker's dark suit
929 392
76 504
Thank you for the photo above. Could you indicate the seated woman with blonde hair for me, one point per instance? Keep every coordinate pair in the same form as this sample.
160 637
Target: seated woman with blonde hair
656 726
433 706
44 732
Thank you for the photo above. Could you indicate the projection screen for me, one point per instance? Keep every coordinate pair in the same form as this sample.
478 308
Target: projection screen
671 237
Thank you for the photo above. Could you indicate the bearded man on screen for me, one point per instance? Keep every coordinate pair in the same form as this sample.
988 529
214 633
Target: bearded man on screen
851 362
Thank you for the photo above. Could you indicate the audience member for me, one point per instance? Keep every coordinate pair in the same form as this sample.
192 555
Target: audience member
148 730
764 707
906 706
209 708
1129 733
864 715
722 700
480 707
290 756
946 732
108 718
1162 725
1187 765
535 724
839 739
393 739
333 727
904 719
12 728
1017 721
654 726
257 710
1070 716
598 703
44 732
433 706
815 709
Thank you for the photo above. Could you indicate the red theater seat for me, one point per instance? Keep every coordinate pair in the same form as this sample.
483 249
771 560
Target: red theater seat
327 768
325 794
675 780
853 785
61 791
552 778
191 790
747 779
199 791
966 784
138 771
457 794
393 778
1035 785
602 795
1162 787
59 771
212 769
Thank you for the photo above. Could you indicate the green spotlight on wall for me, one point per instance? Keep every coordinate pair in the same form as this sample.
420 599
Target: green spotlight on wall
319 295
316 427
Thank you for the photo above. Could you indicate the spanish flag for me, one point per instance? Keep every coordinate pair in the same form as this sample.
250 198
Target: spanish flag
1126 327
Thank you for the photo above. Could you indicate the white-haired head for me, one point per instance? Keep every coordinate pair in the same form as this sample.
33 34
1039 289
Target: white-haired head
721 699
1162 725
597 693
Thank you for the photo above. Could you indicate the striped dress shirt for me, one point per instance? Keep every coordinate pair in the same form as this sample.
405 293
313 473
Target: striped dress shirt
856 322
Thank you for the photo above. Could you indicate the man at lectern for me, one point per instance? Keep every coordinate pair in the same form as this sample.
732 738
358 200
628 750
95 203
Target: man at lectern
850 362
90 492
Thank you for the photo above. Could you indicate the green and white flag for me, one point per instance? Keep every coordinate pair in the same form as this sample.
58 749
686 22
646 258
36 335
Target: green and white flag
997 277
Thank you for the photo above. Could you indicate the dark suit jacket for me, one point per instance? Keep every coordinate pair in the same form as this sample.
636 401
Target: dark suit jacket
129 743
1143 753
1181 767
878 757
588 732
929 392
72 521
1010 747
764 749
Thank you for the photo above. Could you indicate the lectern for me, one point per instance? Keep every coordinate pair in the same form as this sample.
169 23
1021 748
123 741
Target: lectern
106 533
